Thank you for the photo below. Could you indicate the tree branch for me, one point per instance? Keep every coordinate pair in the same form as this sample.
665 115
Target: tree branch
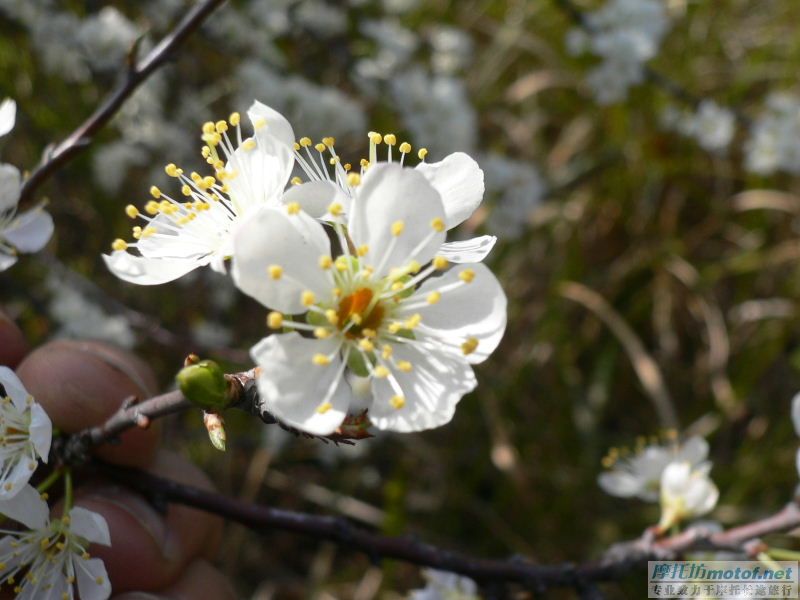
243 395
137 72
619 561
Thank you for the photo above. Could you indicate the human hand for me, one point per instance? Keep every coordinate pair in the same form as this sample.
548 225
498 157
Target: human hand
152 555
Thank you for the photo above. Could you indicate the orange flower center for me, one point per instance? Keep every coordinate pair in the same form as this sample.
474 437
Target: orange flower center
356 305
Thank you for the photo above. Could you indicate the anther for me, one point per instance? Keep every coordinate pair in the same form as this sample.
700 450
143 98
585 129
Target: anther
295 180
434 297
353 179
131 211
438 224
308 298
275 271
119 244
324 407
398 402
275 320
235 119
381 371
440 263
467 275
397 227
390 139
325 262
405 366
469 346
293 208
321 360
362 250
405 147
423 152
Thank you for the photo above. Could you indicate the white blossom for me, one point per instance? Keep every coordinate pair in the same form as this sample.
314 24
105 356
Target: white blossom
640 475
49 559
686 492
442 585
413 330
452 49
711 125
457 178
19 232
25 434
436 109
517 188
179 237
106 38
81 318
624 34
774 142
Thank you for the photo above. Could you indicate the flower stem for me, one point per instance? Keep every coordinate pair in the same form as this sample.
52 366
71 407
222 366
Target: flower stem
67 491
48 482
783 554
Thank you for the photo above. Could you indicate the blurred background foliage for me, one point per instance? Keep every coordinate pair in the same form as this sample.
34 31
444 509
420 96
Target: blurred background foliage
642 270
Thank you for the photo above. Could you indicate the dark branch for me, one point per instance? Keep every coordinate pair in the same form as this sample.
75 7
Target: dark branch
243 395
623 558
137 72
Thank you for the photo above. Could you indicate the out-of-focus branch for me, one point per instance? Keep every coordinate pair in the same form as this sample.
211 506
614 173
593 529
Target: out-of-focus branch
137 72
616 564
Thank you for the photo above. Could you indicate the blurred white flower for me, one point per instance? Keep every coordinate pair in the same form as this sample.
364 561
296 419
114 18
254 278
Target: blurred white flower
710 125
774 142
25 232
80 318
50 559
379 313
107 36
452 49
436 109
56 38
442 585
517 188
625 34
640 475
8 115
25 435
179 237
321 110
686 492
394 46
322 18
796 423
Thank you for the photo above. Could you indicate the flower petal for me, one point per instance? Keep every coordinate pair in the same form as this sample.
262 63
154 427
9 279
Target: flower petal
14 388
313 398
619 483
276 126
30 231
390 195
694 450
26 507
150 271
796 413
19 475
431 390
272 237
8 114
459 181
40 431
468 251
89 525
92 579
472 310
10 181
7 260
675 479
315 197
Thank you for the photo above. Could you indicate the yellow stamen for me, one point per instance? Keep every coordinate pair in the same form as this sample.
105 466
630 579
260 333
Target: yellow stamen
469 346
321 360
467 275
308 298
119 245
398 402
275 271
275 320
397 227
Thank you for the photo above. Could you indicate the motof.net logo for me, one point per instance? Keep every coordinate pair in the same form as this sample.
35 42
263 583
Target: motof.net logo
692 571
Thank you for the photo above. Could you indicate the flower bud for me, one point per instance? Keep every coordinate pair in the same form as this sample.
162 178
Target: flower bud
204 384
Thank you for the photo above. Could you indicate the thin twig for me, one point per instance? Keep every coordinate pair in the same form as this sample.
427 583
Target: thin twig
137 72
623 558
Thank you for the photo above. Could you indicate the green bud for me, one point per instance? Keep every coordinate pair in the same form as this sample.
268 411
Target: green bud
204 384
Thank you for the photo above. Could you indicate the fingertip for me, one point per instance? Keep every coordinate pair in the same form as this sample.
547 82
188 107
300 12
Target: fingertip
13 346
80 384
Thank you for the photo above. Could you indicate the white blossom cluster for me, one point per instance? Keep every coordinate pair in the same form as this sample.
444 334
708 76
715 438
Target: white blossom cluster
710 125
624 35
774 142
516 188
81 318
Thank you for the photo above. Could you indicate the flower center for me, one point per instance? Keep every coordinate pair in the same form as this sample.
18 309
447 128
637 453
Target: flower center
359 309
